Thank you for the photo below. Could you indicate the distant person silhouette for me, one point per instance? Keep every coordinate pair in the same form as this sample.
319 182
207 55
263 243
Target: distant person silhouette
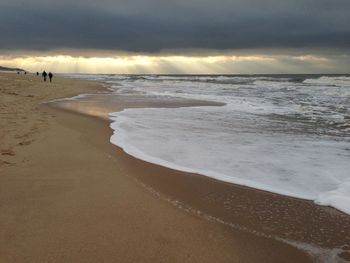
50 76
44 75
37 73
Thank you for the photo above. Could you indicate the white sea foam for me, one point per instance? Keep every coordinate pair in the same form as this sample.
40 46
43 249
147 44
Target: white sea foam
205 140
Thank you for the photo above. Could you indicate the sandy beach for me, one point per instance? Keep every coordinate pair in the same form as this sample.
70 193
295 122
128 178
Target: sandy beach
68 195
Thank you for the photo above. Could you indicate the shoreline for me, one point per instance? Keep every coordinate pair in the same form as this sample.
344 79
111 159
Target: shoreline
215 200
73 198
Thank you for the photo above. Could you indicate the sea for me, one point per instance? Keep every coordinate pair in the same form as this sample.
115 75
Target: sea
286 134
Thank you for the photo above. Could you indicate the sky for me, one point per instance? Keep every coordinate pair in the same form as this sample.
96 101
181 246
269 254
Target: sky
176 37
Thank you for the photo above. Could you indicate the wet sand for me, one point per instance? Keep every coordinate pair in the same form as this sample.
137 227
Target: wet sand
68 195
322 231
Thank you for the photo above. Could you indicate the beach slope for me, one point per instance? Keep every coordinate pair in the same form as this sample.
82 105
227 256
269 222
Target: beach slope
64 196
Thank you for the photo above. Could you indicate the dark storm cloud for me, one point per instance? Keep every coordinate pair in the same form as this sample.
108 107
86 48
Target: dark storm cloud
151 26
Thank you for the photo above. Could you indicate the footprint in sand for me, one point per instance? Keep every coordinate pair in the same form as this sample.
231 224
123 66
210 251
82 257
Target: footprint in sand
24 143
5 163
8 152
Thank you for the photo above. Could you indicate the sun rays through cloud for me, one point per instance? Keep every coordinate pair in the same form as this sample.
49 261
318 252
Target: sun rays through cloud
173 64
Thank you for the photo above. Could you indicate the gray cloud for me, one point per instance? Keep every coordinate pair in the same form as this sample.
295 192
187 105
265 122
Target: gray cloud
155 25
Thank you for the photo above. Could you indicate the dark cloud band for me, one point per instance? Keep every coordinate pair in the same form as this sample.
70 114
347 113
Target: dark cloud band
134 27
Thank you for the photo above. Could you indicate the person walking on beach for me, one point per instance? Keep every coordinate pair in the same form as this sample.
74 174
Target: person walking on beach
50 76
44 74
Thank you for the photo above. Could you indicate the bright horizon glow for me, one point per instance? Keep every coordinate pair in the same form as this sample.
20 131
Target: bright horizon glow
175 64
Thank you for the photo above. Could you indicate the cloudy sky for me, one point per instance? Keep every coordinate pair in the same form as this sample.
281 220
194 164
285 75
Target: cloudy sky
183 36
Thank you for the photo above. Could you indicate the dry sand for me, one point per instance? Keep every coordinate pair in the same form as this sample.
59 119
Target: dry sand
68 195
